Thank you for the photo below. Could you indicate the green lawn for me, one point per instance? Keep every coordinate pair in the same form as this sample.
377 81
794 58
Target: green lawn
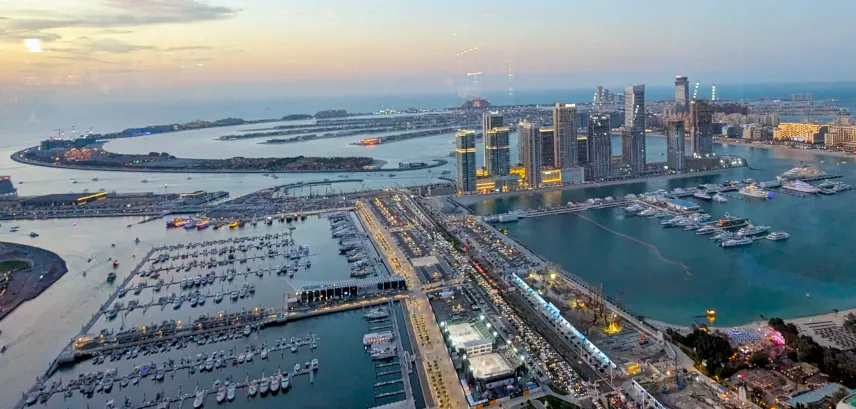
13 265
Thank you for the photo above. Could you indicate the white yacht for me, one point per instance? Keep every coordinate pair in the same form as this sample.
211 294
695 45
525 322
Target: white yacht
801 171
702 195
778 235
752 230
826 184
754 191
221 395
719 198
247 330
648 212
286 381
230 393
634 208
264 354
200 399
275 382
265 384
706 230
799 186
253 388
314 364
377 313
736 242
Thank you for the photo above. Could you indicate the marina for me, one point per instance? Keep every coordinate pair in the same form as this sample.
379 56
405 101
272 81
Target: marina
232 345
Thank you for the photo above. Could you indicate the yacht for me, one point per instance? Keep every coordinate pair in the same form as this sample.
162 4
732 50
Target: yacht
177 303
385 353
377 313
218 297
736 242
719 198
263 388
285 381
634 208
724 235
801 171
200 300
314 364
752 230
648 212
778 235
799 186
275 382
702 195
264 354
230 393
754 191
34 234
221 395
253 388
706 230
234 295
826 184
247 331
730 222
200 399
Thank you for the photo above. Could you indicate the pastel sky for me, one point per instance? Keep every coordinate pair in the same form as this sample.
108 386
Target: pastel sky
265 48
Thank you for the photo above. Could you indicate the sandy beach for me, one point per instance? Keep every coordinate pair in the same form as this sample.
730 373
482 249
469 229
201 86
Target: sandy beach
785 149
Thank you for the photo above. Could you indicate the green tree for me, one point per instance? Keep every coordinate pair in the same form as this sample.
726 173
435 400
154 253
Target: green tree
759 359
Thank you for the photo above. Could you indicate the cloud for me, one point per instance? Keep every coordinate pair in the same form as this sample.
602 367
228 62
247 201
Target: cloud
188 48
126 13
113 46
9 35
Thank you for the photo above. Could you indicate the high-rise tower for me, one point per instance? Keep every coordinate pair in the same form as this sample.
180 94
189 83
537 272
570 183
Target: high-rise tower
701 120
465 151
675 141
682 95
599 147
530 147
565 134
496 156
633 132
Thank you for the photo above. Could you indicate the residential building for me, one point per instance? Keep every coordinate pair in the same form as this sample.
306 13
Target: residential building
565 135
491 120
530 146
496 151
633 132
675 140
800 132
582 148
548 148
701 120
599 161
465 152
841 136
682 95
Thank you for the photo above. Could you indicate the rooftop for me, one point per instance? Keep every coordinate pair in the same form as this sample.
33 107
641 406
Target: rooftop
489 365
816 395
462 334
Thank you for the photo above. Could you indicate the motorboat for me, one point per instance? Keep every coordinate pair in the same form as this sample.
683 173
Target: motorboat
264 386
264 354
218 297
253 388
736 242
249 357
826 184
247 330
702 195
286 381
377 313
778 235
275 382
706 230
230 392
719 198
221 395
752 230
800 172
314 364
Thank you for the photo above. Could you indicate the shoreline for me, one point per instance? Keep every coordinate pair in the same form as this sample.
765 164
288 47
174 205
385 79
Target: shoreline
16 157
46 268
473 199
798 321
783 148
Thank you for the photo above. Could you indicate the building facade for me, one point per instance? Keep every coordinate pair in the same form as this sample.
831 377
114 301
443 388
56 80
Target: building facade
800 132
599 161
675 150
565 134
530 147
682 95
496 151
548 148
841 136
491 120
701 120
582 148
633 132
465 152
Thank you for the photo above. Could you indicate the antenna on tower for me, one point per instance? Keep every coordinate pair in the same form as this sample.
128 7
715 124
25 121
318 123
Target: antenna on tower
695 91
58 133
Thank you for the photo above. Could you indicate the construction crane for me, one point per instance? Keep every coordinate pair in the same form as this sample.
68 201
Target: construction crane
58 133
695 91
713 92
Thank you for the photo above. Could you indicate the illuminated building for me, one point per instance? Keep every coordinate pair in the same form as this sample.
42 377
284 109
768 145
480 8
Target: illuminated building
841 135
682 95
582 149
565 136
701 121
675 141
801 132
530 146
633 133
520 171
370 141
491 120
465 151
548 148
481 173
496 151
599 163
551 176
498 184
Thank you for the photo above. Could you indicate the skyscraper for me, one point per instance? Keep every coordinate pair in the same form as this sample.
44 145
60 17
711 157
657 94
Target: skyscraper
548 147
465 151
565 134
633 132
701 120
530 146
599 147
675 140
682 95
491 120
496 155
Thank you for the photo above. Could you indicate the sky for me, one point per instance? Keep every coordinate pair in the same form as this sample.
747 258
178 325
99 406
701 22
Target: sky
143 50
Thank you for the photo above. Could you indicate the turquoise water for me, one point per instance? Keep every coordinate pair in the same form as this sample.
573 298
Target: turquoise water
672 275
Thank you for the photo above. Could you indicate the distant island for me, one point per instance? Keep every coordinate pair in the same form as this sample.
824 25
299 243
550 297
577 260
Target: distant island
89 154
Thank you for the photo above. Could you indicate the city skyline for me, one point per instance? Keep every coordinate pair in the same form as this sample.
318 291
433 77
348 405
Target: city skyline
262 49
